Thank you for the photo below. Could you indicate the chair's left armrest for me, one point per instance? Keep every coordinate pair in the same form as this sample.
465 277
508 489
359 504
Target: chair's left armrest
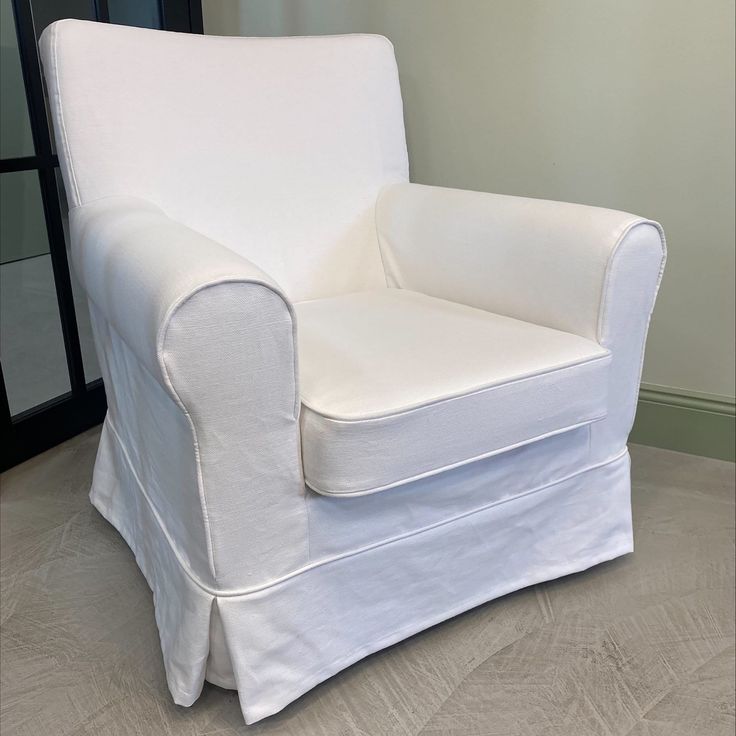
198 352
142 269
544 262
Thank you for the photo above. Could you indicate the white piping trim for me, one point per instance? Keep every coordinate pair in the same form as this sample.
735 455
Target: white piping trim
164 379
160 355
214 39
258 711
627 228
500 383
452 466
345 555
59 107
604 299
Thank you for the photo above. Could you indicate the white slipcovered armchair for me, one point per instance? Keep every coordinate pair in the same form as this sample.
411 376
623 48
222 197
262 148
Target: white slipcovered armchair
342 407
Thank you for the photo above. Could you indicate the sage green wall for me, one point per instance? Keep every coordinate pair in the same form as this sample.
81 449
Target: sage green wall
620 103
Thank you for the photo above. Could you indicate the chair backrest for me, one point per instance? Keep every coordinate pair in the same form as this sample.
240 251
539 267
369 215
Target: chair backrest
275 147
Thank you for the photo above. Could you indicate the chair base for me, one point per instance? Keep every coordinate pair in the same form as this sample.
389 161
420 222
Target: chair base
278 641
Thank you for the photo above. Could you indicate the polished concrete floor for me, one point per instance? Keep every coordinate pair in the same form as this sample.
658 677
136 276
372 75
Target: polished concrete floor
642 646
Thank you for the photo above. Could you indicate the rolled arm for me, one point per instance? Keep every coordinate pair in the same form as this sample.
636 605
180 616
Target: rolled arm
541 261
217 426
585 270
138 266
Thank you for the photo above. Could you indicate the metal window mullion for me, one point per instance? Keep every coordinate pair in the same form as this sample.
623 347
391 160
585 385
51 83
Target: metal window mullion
27 163
183 16
49 193
62 280
196 22
102 11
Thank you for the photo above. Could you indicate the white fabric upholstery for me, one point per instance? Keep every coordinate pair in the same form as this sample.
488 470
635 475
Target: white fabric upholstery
175 316
397 385
225 129
586 270
543 262
272 300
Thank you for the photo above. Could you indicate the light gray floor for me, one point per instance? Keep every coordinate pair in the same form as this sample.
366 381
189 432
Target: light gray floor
642 646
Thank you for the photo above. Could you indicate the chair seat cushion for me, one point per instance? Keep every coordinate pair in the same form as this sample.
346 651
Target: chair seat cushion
396 385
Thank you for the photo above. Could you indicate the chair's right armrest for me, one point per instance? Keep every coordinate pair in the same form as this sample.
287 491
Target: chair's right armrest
218 337
585 270
544 262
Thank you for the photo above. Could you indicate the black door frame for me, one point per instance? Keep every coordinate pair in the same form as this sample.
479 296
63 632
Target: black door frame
45 425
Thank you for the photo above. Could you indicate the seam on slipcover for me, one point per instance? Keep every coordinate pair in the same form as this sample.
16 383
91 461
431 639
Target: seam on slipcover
167 384
264 39
403 411
458 464
378 234
163 327
406 631
59 106
172 544
180 301
604 298
160 341
138 200
336 558
422 530
626 229
209 38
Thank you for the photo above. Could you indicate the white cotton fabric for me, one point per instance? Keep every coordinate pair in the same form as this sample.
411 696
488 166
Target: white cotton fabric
539 261
275 643
223 131
397 385
270 299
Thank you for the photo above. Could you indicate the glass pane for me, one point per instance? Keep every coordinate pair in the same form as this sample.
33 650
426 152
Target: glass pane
46 12
143 13
81 307
31 343
22 225
15 125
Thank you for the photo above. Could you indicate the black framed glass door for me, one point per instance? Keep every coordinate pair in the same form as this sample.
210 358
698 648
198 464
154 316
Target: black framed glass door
50 385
